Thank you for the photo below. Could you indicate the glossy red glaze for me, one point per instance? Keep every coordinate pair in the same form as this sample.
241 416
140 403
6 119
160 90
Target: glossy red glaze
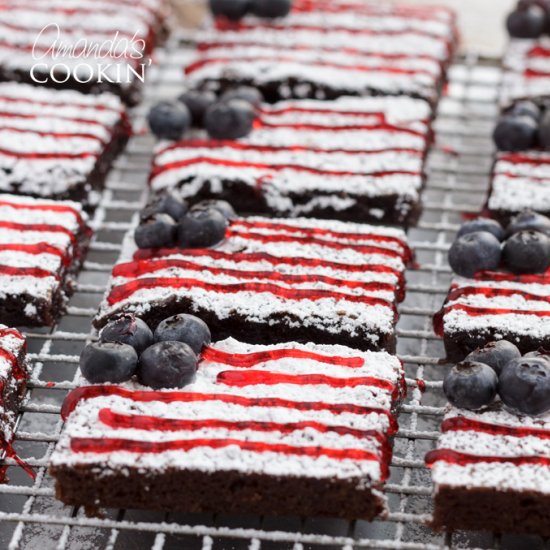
461 423
463 459
39 227
38 248
37 272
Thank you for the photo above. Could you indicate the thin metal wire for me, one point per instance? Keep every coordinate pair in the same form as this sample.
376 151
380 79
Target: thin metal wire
31 518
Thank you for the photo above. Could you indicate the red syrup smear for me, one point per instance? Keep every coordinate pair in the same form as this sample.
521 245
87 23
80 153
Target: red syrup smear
461 423
463 459
421 385
273 168
37 249
124 291
245 378
39 227
148 267
246 360
90 392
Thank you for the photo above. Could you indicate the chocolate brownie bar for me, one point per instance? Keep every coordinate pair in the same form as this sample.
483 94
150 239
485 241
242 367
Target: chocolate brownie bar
356 159
87 45
14 372
490 471
273 280
325 49
494 306
42 244
262 429
58 144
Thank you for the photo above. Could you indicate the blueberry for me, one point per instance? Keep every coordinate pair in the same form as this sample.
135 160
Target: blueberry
169 120
540 353
473 252
526 22
245 93
470 385
528 219
222 206
482 224
230 119
515 133
525 108
167 365
197 102
113 362
527 252
166 203
544 131
495 354
128 329
270 8
524 384
201 228
232 9
184 328
156 232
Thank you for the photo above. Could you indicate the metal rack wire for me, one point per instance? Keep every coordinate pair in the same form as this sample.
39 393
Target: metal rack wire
31 518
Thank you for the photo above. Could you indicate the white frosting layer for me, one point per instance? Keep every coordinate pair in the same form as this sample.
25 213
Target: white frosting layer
84 421
333 314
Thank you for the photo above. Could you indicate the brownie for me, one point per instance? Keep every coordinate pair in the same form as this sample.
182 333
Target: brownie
273 280
495 306
326 49
287 429
354 159
490 472
86 45
58 144
42 244
14 372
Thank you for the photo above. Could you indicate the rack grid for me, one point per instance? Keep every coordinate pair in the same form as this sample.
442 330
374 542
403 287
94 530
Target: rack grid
458 169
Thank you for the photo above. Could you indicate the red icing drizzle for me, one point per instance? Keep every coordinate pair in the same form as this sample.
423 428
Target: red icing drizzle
37 272
38 248
490 292
58 135
89 392
246 360
8 114
50 207
41 156
463 459
54 101
39 227
461 423
519 158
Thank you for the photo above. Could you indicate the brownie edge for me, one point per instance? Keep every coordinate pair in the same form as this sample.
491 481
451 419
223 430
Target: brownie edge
96 486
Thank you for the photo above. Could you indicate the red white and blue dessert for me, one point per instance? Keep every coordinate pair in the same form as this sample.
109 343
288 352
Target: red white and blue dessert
93 46
325 49
42 244
491 465
356 159
263 280
255 429
58 144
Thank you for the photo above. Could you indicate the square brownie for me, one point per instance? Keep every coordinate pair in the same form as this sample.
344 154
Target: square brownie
58 144
354 159
261 429
273 280
42 244
495 306
92 46
490 472
325 49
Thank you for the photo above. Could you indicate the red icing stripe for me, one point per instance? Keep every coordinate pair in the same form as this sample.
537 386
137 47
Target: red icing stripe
490 292
90 392
533 73
154 423
481 311
57 135
39 227
111 445
543 278
136 269
246 360
54 101
47 156
538 51
39 248
36 272
463 459
8 114
124 291
273 168
245 378
461 423
519 158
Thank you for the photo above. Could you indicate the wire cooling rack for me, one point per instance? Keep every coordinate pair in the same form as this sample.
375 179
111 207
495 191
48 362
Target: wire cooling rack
31 518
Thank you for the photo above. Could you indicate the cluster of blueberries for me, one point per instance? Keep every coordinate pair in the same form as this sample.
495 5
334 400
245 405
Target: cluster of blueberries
165 358
523 126
530 19
237 9
483 245
522 382
167 221
229 116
